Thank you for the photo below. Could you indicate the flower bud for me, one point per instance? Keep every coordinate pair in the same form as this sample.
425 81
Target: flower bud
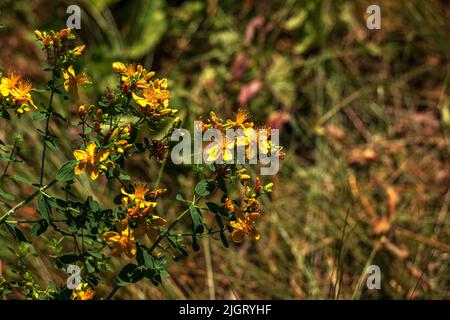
119 67
268 187
244 177
81 110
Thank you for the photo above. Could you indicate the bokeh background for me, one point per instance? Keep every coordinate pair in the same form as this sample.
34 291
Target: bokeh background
364 117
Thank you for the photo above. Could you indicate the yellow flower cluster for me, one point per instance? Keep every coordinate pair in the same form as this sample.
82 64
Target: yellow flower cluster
139 205
17 91
245 219
250 136
152 96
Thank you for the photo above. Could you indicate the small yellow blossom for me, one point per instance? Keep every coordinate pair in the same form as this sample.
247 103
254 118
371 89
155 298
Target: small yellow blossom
9 83
139 197
215 151
73 81
89 160
83 292
154 96
244 225
122 241
132 76
19 90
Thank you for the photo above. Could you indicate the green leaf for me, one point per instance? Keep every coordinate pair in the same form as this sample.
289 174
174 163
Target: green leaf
130 273
197 220
143 258
6 195
204 187
44 208
16 233
23 179
39 228
67 171
38 116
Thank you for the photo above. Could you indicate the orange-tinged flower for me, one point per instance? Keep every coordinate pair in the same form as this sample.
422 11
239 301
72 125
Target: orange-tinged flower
139 196
132 76
244 225
22 97
154 96
89 160
83 292
9 83
73 81
241 120
122 241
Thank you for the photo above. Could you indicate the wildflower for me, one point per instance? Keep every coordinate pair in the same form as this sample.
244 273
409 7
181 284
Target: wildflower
148 227
55 39
22 97
244 225
122 241
90 160
241 120
215 151
83 292
9 83
132 76
139 196
19 90
73 81
154 96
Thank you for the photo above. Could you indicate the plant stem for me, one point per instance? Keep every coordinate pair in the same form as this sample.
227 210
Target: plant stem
9 162
161 237
113 292
49 108
24 202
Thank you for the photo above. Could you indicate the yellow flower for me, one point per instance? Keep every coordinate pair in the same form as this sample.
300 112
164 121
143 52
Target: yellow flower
22 97
119 67
241 118
132 75
83 292
9 83
122 241
73 81
215 151
138 197
154 96
244 225
89 160
148 227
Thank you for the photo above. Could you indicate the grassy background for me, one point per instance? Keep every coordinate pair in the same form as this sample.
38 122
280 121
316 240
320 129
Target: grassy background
364 117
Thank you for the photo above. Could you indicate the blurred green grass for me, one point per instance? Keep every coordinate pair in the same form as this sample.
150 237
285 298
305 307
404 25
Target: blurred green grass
364 116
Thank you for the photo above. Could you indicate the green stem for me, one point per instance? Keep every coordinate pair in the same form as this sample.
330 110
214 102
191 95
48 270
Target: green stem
9 162
24 202
49 108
